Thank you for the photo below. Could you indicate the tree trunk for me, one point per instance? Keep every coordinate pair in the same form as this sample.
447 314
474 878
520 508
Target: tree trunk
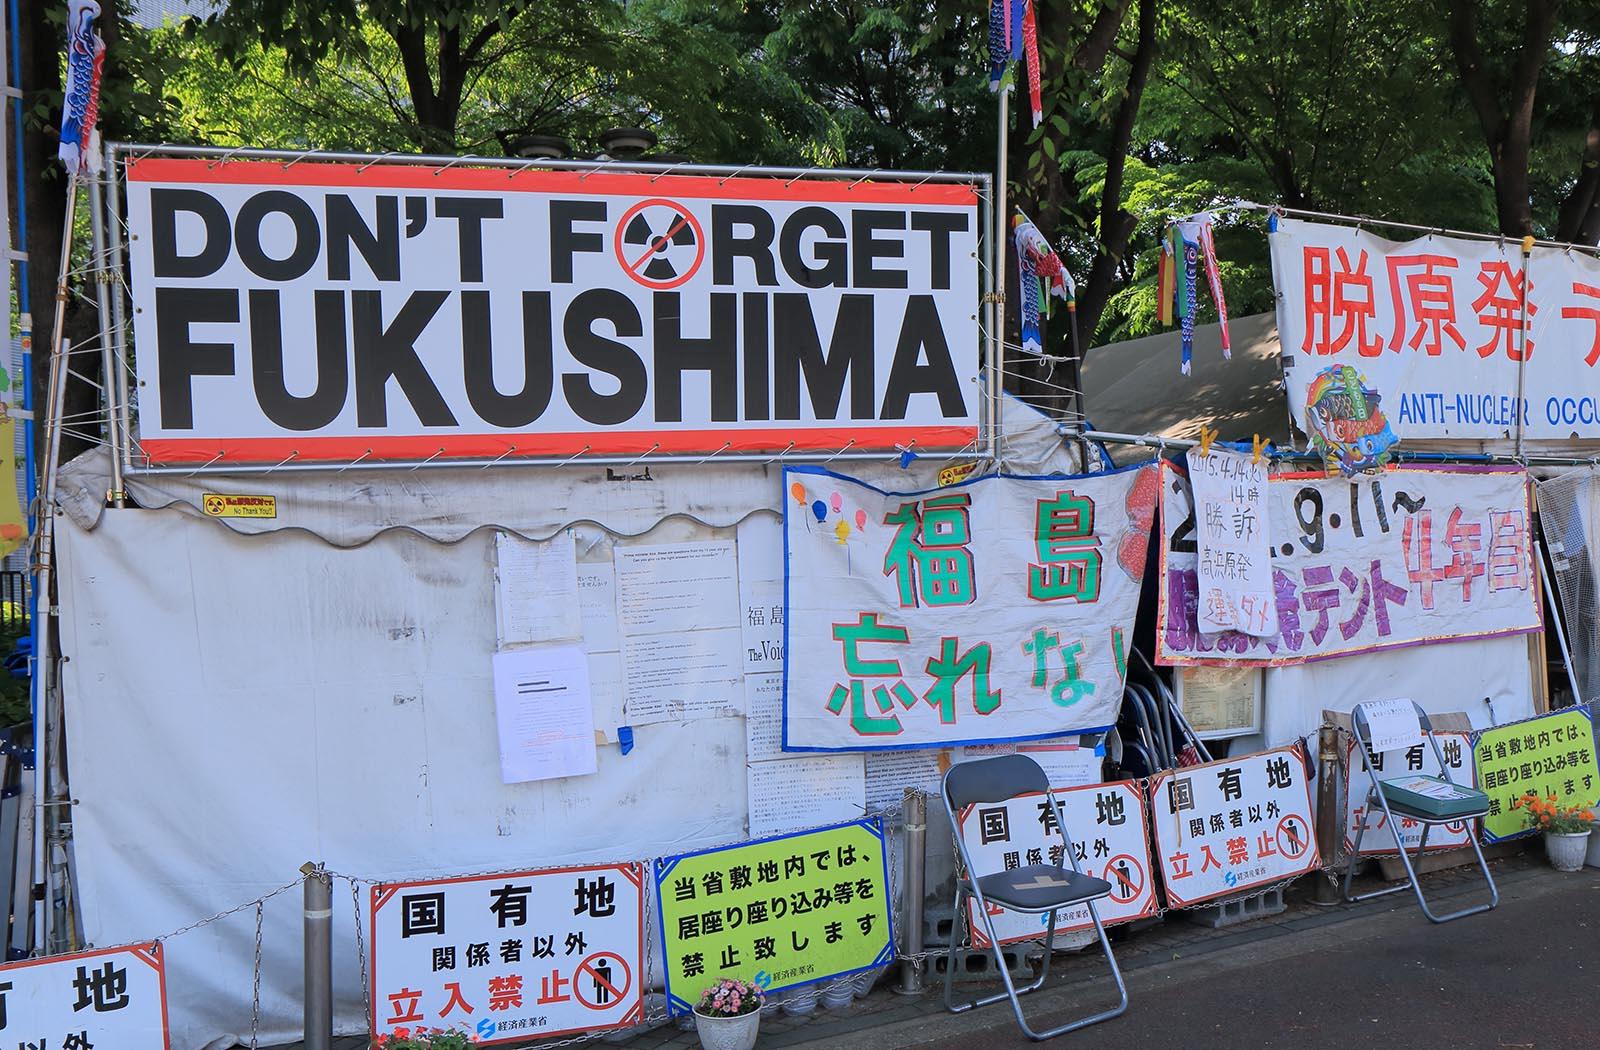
1578 212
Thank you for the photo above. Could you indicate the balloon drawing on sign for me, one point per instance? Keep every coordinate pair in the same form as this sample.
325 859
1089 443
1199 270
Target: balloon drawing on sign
1346 426
820 509
798 491
836 501
861 519
842 530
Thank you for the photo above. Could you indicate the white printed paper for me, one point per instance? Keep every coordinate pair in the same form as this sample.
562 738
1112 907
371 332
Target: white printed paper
536 589
889 773
677 587
1065 765
793 793
1392 725
606 694
1235 565
694 674
761 618
1109 840
543 713
597 605
763 717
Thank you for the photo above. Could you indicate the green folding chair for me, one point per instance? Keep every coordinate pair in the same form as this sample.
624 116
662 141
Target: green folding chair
1428 801
1033 889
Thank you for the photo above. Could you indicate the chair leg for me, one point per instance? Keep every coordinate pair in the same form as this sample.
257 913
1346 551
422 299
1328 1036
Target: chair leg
997 950
1355 858
1083 1022
1414 882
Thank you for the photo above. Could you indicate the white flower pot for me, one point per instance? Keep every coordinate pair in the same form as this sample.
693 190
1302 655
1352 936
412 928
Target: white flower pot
728 1033
1566 852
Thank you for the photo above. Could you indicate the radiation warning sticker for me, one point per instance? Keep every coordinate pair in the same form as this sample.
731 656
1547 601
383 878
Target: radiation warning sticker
659 243
220 505
957 472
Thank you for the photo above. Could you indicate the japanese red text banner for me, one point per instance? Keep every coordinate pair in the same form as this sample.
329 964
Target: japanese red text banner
1000 608
111 996
1435 327
1227 827
1408 556
335 312
510 957
1110 840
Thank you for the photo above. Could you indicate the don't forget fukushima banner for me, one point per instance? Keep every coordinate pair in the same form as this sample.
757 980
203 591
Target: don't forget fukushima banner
1432 330
1000 608
311 311
1382 561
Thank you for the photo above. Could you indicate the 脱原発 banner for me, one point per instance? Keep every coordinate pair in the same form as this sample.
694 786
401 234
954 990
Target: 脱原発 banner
1379 561
1434 329
1000 608
318 311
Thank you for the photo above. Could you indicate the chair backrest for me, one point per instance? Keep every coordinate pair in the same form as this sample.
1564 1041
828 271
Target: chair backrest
1358 719
992 780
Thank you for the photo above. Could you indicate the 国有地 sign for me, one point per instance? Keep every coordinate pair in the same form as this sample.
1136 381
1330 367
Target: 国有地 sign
1411 555
320 311
1419 759
1434 326
1226 827
1551 754
782 911
510 957
996 609
1110 840
109 997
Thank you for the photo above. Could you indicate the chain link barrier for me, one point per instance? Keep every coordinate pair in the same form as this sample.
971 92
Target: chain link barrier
892 818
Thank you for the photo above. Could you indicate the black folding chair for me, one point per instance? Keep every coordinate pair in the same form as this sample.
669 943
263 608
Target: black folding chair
1462 803
1034 889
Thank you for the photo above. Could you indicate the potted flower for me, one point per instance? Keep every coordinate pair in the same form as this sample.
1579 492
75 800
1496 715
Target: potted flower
426 1039
1566 828
728 1015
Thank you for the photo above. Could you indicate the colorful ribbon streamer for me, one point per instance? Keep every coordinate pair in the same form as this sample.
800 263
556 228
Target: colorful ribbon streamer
1186 245
1042 276
86 59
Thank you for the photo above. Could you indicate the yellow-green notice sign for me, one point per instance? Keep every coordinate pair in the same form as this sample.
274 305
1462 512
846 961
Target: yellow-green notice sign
782 912
1552 754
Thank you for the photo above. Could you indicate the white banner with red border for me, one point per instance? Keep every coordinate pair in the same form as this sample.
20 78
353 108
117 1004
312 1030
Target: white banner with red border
510 957
1110 840
335 312
1435 326
108 997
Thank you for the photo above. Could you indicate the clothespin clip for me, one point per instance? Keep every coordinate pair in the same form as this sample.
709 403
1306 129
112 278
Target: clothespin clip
1258 445
1207 436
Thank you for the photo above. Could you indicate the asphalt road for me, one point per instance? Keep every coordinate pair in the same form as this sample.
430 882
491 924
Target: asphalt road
1523 977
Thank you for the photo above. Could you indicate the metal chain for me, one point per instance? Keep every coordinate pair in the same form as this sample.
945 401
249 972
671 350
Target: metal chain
255 990
256 903
361 954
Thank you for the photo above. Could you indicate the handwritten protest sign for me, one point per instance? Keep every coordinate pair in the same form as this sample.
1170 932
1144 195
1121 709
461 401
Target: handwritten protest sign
995 609
1109 839
1552 754
1234 569
1407 556
783 911
510 957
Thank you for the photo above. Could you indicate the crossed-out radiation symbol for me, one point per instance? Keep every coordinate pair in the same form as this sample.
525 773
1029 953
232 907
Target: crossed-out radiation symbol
659 243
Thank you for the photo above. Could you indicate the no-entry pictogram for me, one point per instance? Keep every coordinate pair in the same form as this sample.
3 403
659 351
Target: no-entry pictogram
1126 876
602 980
1293 837
659 243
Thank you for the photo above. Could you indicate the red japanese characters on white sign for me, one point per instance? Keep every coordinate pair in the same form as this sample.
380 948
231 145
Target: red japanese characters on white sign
109 997
1110 841
1418 759
1226 827
510 957
1441 328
